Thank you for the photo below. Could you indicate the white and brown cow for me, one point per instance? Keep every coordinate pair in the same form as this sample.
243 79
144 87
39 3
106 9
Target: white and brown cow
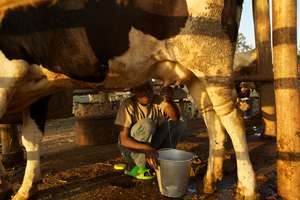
117 44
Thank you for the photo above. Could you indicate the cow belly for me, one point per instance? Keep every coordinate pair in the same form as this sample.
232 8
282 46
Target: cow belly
78 39
40 82
146 58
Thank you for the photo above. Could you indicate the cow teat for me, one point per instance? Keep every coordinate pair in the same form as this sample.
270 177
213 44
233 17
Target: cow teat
171 73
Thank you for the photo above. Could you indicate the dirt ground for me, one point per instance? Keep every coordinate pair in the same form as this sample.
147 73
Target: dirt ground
77 173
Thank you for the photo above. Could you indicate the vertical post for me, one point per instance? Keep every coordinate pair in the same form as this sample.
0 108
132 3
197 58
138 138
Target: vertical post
9 138
264 62
287 98
12 152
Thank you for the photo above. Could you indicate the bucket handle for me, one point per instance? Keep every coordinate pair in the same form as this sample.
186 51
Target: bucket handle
195 157
165 149
158 162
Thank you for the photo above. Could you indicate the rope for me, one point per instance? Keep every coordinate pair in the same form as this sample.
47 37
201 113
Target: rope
170 137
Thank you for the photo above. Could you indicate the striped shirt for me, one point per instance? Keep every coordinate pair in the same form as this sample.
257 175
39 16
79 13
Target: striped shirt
131 111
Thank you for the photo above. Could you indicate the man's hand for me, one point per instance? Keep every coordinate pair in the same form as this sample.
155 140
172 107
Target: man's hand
151 158
150 152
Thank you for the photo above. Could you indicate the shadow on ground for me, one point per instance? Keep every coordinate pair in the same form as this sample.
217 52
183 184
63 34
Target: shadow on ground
71 172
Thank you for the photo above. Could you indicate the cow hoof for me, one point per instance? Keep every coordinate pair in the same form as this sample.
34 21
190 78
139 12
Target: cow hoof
244 197
209 186
242 194
5 191
22 196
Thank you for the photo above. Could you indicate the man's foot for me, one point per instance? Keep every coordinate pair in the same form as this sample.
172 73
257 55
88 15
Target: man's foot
142 173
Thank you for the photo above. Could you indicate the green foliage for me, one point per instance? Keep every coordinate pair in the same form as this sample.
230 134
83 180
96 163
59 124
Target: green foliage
242 45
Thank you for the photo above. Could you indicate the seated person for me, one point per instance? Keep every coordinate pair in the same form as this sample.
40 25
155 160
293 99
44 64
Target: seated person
146 124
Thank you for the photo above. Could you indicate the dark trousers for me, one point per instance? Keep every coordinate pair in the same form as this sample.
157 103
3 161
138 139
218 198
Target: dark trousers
165 136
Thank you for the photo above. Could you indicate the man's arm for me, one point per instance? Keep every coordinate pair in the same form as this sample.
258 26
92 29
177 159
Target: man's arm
150 153
171 111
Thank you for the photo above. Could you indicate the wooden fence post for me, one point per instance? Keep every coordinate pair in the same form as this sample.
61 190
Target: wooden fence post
12 153
287 98
264 64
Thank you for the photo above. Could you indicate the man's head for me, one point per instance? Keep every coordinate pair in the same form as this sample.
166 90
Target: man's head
143 93
167 93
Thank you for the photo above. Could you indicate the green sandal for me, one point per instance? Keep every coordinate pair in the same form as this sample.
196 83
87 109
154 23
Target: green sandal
120 166
141 173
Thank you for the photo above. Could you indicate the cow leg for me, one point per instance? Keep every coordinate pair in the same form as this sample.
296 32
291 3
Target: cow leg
216 135
32 133
11 73
223 103
31 138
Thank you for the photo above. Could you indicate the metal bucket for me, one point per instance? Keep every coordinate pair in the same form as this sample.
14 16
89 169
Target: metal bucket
173 172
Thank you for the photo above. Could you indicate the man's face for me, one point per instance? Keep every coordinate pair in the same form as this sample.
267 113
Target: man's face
167 92
144 96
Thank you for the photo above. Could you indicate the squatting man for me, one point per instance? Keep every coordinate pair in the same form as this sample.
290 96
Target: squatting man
147 123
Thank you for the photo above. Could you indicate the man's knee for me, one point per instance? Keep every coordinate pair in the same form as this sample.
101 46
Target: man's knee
143 130
138 158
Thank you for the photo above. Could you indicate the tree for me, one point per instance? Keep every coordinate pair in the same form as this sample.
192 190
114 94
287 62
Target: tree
242 45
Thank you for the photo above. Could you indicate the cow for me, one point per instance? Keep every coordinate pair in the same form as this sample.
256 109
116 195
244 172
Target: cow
50 45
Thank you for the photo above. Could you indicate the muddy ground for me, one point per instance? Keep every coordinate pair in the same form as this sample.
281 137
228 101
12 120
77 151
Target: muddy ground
86 173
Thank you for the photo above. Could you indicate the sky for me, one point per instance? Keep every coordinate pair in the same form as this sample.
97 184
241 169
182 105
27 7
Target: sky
247 27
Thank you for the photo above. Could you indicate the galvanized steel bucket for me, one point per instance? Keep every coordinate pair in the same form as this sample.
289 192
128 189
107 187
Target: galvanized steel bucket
173 172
